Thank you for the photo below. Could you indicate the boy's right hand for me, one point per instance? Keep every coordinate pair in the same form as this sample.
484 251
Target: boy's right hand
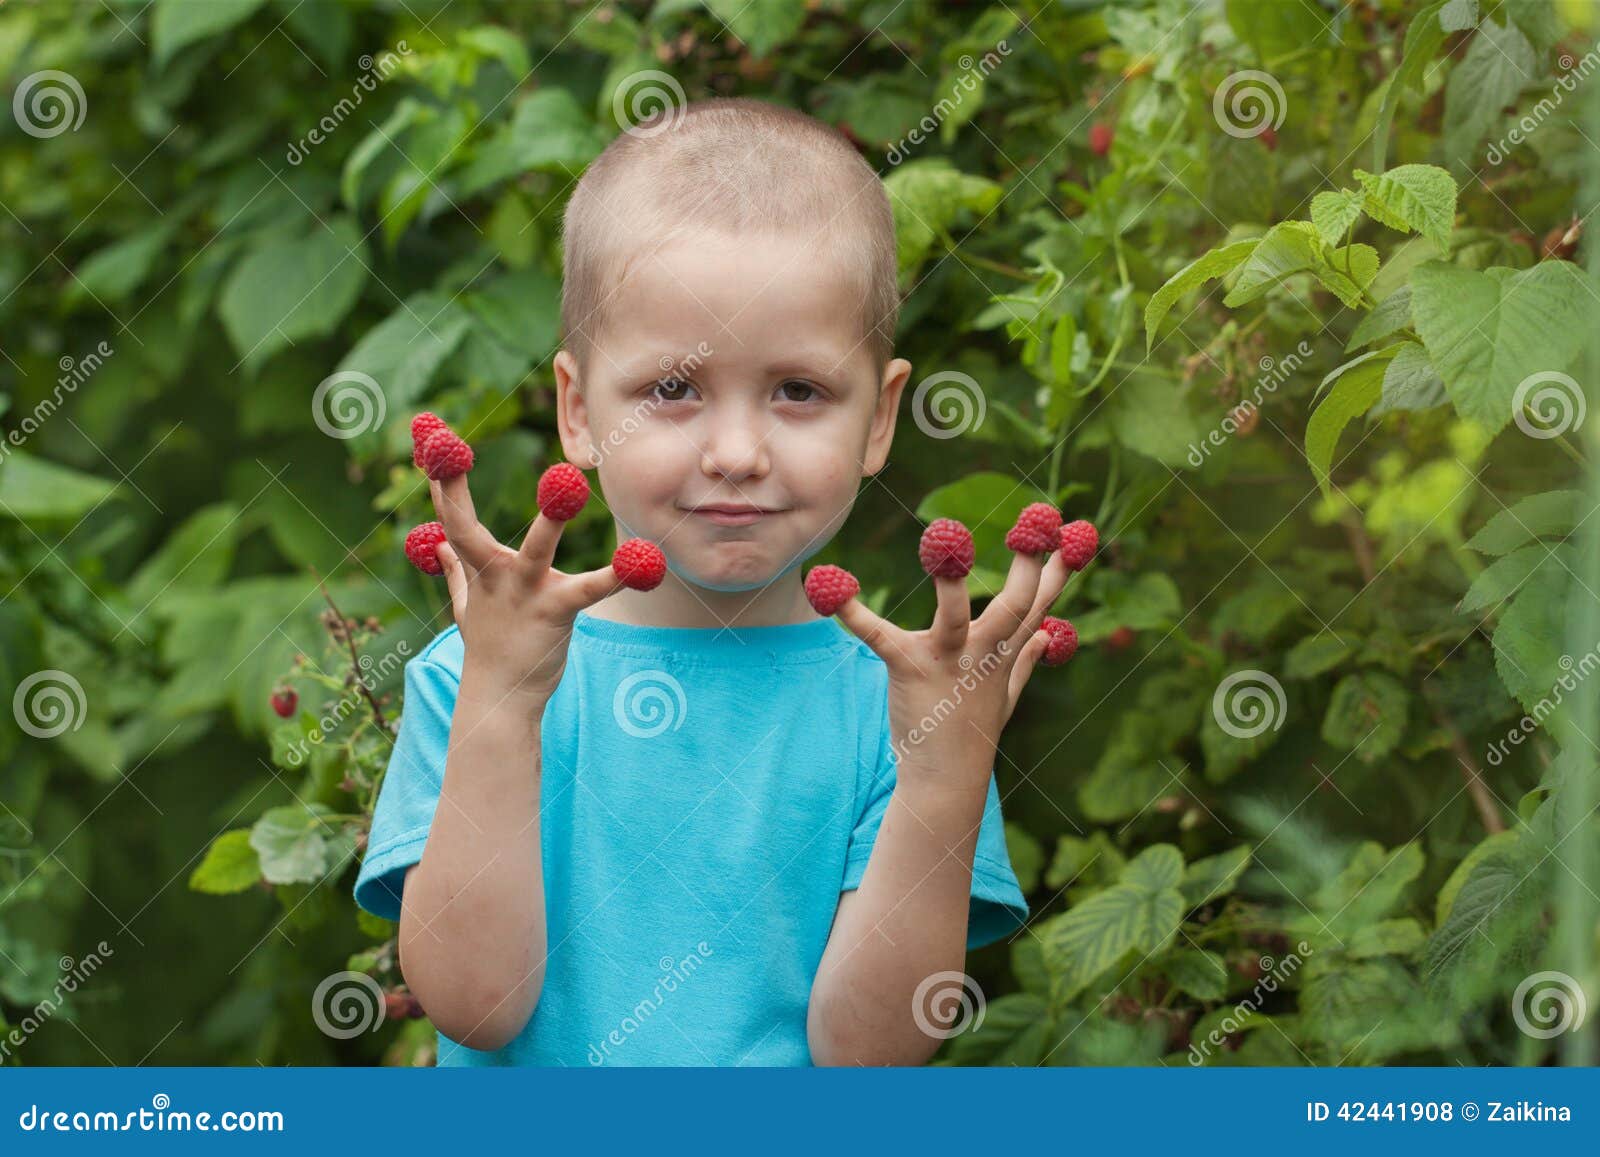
513 608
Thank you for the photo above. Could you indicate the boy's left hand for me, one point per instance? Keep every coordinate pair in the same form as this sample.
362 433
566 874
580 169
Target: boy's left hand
953 687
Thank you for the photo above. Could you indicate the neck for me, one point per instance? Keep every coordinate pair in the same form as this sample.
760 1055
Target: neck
678 602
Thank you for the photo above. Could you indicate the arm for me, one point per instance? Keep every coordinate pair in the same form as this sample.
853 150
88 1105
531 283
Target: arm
906 922
472 928
472 920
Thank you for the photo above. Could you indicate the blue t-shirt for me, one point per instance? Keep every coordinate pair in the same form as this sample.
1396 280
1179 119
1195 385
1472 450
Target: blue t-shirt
707 794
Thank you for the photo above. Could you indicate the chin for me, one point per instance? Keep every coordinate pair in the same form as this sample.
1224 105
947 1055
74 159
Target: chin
731 580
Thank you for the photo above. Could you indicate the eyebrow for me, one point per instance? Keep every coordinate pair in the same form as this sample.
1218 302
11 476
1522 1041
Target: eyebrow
814 365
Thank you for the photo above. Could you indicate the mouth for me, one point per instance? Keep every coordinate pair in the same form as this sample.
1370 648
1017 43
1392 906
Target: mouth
732 514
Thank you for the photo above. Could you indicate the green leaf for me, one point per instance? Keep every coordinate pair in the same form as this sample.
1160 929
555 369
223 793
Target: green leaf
175 24
1287 248
285 292
1203 975
109 275
1158 867
1529 639
197 554
1314 655
1206 879
1367 714
762 24
1386 938
1495 844
1357 388
34 489
1424 36
1276 28
1369 887
1093 859
1217 263
1334 213
1389 316
1410 383
1027 856
1092 936
1347 272
1498 63
1553 513
297 846
1503 577
404 351
1412 198
928 196
230 865
1147 414
1486 898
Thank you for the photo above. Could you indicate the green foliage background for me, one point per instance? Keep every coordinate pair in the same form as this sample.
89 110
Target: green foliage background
1371 536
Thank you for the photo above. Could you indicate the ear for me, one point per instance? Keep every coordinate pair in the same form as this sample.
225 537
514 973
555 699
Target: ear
572 412
879 437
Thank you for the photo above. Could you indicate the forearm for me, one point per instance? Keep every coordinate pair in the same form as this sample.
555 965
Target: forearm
472 930
907 921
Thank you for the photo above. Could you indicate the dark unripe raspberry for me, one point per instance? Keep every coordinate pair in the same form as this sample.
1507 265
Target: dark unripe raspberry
640 564
423 427
422 547
1063 641
284 701
563 490
830 587
946 549
1038 530
1079 541
445 455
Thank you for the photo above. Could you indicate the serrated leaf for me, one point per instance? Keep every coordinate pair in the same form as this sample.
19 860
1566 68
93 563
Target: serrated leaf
928 196
1370 885
1287 248
1529 639
1334 213
1424 36
1494 844
1356 389
1347 272
1501 578
1218 262
297 846
1390 315
230 865
1498 62
1410 383
1314 655
762 24
1367 714
1203 975
284 292
1206 879
1157 867
1094 934
1555 512
1386 938
1412 198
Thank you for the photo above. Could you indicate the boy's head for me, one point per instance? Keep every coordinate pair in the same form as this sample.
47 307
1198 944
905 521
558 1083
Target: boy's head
728 311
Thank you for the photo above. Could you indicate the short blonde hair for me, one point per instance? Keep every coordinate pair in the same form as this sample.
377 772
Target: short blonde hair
727 164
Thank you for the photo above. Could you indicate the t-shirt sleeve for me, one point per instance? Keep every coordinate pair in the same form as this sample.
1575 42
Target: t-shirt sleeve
998 906
410 792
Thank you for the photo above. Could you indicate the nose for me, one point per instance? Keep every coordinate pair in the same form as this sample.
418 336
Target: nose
734 445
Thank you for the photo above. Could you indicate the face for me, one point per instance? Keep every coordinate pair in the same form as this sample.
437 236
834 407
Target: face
732 406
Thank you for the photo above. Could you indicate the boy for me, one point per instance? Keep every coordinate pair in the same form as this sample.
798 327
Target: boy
702 824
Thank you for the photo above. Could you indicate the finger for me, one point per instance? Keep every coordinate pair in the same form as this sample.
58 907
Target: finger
1032 651
539 545
455 577
1006 615
886 640
1051 583
471 538
953 616
583 590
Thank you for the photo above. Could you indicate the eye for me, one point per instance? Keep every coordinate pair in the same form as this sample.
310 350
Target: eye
810 392
671 389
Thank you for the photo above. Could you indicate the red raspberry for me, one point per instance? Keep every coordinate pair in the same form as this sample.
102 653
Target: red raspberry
830 587
1100 137
562 491
423 427
640 564
444 455
1063 641
422 547
1079 541
283 701
1118 640
1038 530
946 549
